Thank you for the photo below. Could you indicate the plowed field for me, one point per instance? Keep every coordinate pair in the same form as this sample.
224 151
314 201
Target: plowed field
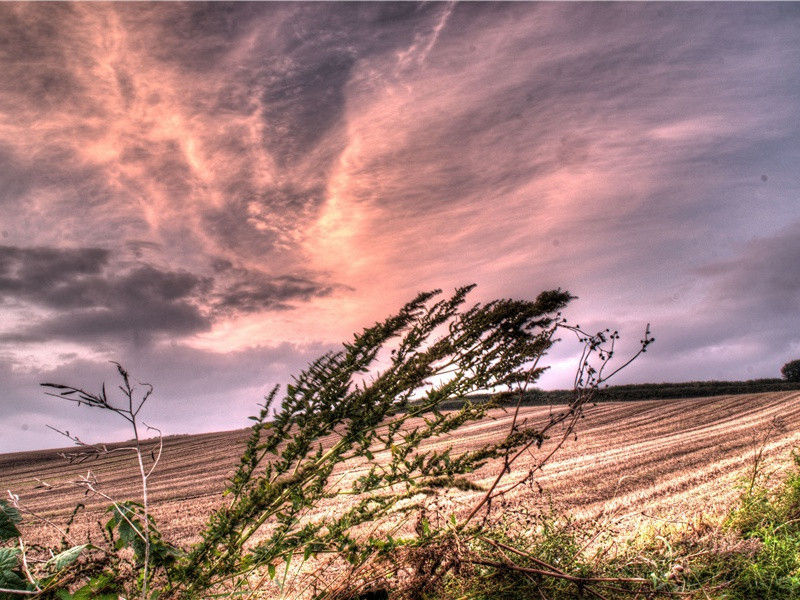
659 459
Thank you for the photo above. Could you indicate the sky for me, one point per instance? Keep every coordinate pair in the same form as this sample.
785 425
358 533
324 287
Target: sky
215 194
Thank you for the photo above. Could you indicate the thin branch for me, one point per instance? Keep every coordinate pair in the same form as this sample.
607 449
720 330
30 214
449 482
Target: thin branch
160 449
15 501
87 481
25 566
554 574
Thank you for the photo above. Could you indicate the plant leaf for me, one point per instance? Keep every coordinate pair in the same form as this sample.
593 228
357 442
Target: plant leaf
9 517
67 557
10 577
8 558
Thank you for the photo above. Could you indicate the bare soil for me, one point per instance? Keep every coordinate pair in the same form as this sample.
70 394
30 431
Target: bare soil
641 461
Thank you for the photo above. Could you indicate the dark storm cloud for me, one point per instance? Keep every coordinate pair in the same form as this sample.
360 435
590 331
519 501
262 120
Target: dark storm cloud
127 322
140 247
255 292
94 300
48 275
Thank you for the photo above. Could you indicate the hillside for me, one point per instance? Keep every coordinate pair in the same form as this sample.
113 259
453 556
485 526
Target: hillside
641 460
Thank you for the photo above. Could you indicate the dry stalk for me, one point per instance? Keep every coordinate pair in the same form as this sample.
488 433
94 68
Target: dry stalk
16 503
588 380
130 412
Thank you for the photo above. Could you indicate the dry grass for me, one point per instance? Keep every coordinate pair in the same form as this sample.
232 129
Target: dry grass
641 460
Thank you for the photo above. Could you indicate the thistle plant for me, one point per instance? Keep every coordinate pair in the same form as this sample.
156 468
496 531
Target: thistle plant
380 393
376 403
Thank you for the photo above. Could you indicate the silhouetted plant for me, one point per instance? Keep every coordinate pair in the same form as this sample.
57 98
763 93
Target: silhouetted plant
381 393
130 524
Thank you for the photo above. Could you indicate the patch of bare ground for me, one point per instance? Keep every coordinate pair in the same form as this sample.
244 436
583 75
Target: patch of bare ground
641 460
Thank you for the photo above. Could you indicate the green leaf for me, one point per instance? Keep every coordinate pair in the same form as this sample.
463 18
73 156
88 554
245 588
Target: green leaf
87 593
9 517
13 581
100 587
8 558
10 577
125 520
426 527
66 558
271 571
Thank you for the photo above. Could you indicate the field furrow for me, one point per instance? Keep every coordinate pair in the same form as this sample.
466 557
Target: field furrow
638 460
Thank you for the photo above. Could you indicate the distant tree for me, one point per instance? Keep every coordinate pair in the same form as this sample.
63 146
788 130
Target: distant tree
791 371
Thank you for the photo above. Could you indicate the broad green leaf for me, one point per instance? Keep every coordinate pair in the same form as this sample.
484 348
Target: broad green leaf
11 580
9 517
100 587
8 559
10 577
67 557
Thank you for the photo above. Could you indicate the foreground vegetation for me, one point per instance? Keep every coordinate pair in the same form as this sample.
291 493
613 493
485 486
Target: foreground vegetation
753 553
383 394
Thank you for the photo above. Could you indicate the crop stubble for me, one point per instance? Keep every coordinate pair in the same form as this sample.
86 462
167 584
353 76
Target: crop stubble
640 460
